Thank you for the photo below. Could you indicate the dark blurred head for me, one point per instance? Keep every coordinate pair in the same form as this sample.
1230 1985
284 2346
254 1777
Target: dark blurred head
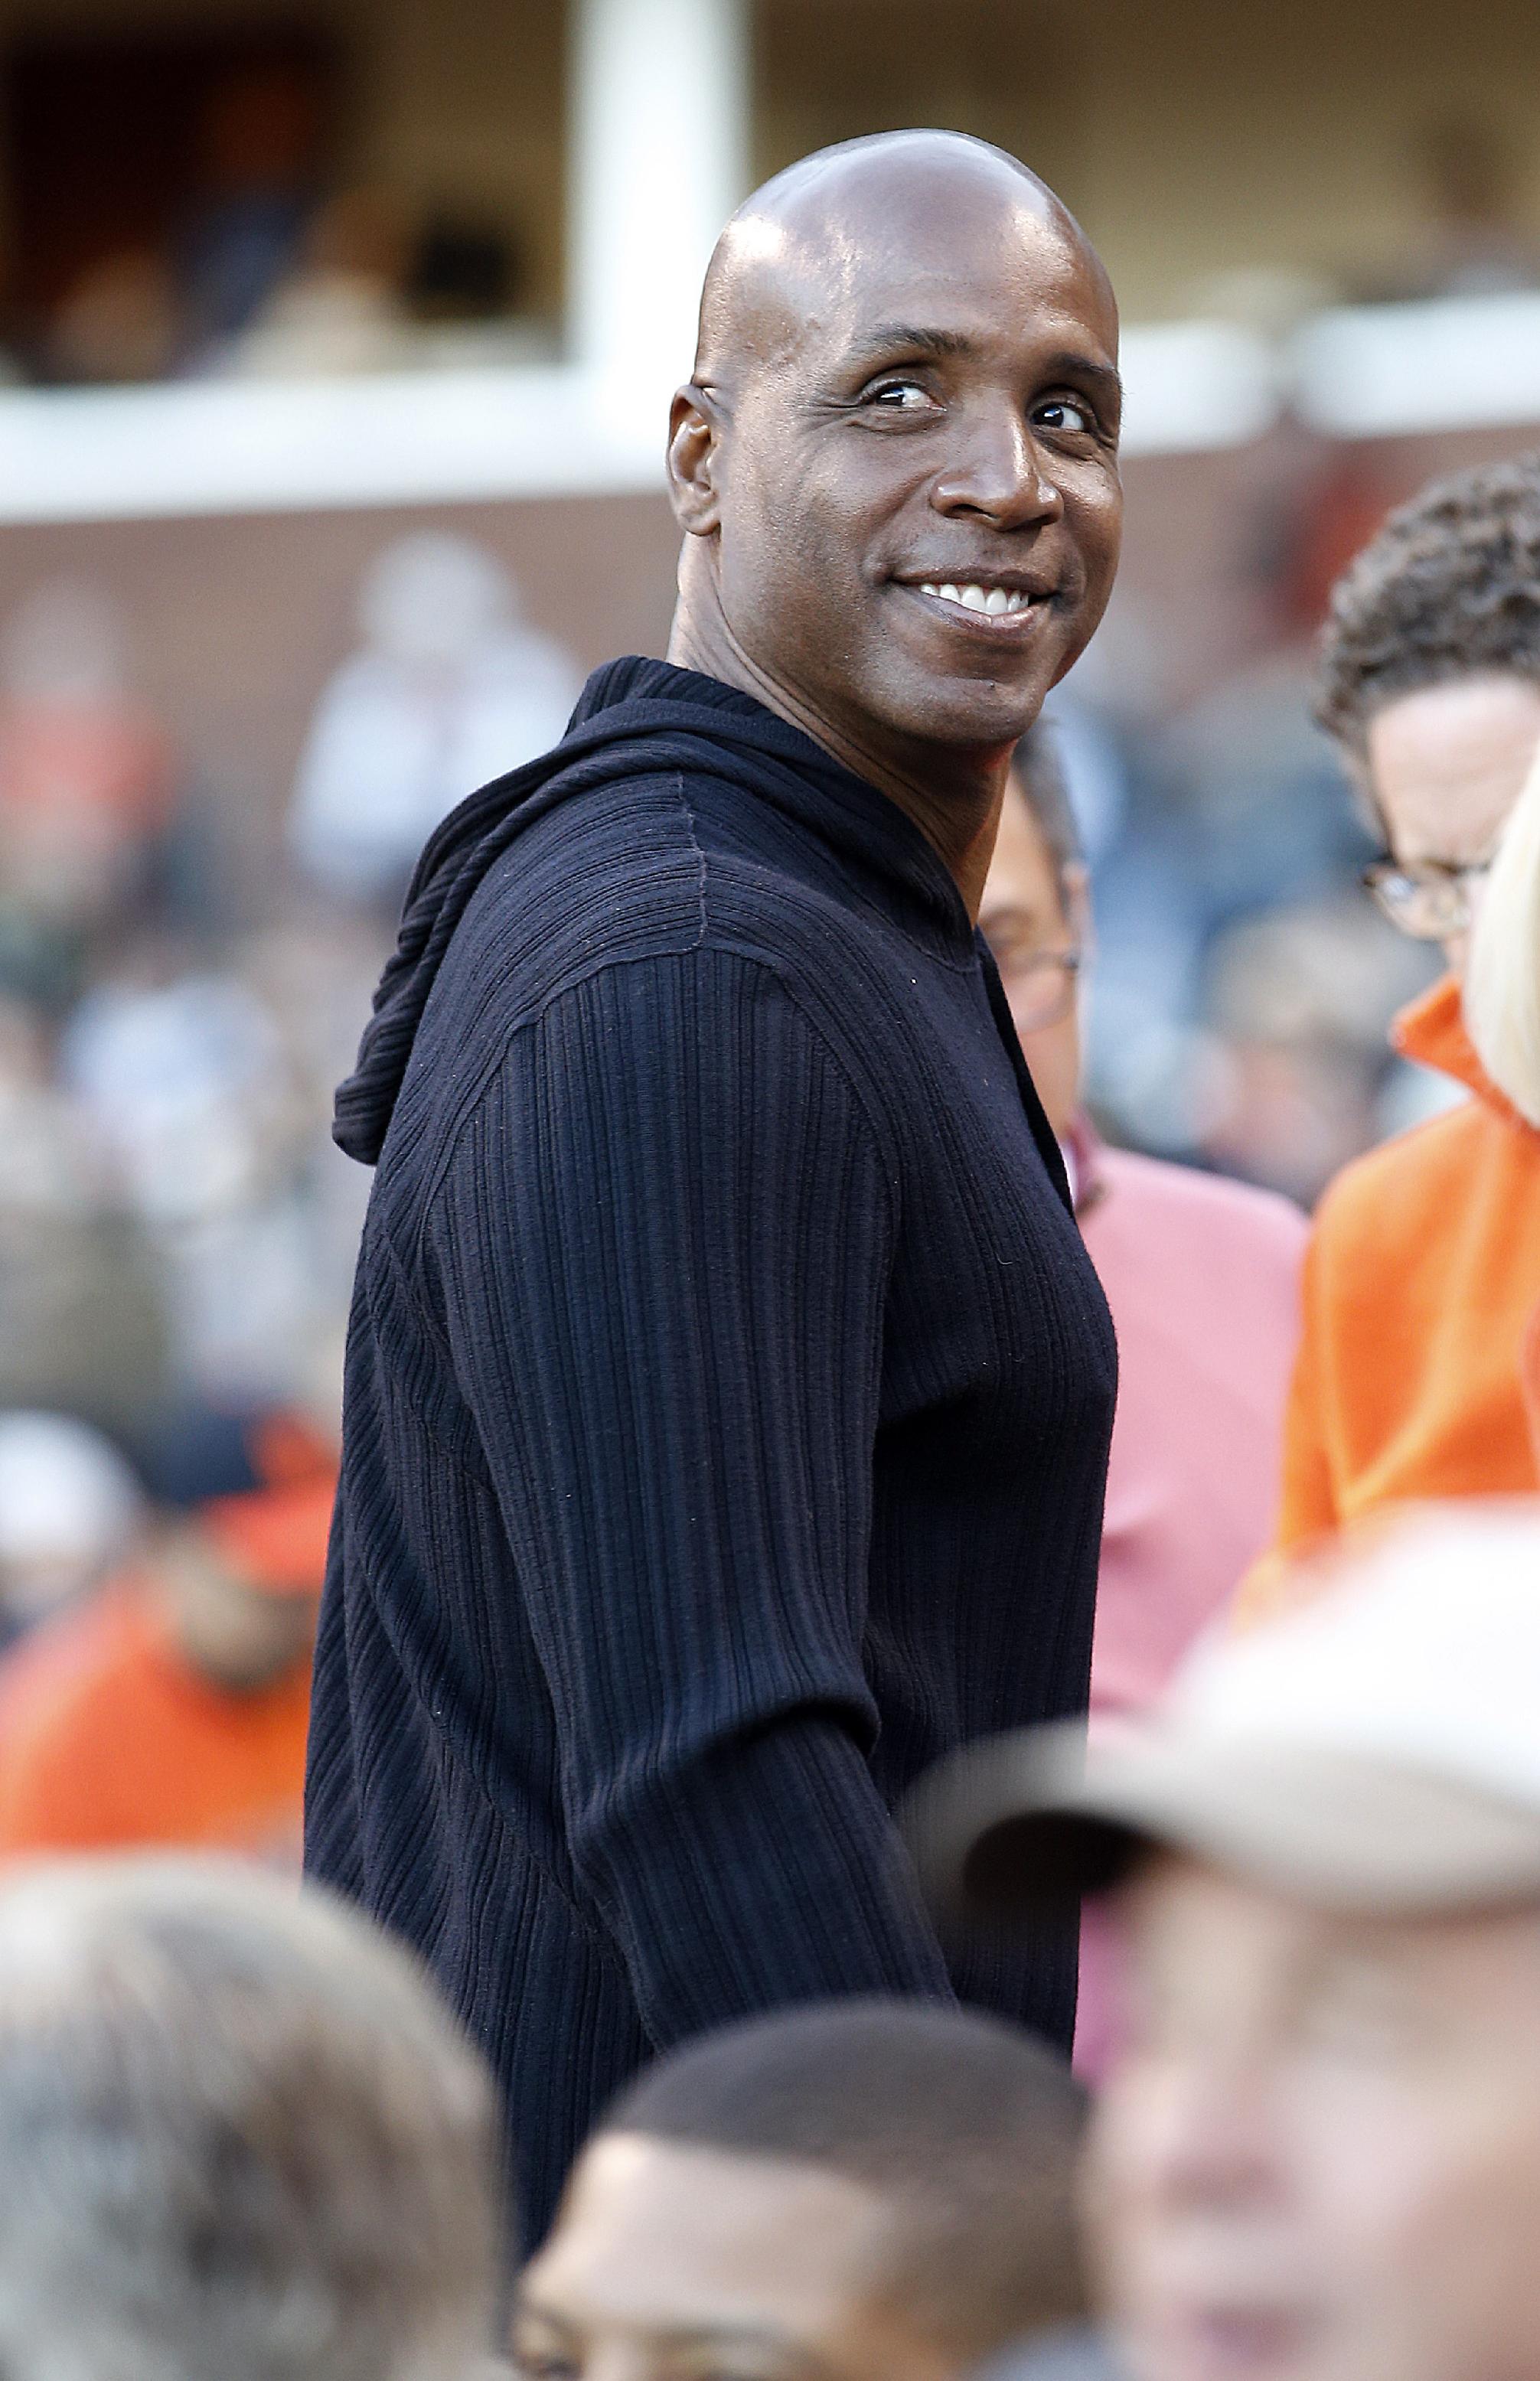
237 2137
1035 917
906 378
1430 668
242 1549
867 2192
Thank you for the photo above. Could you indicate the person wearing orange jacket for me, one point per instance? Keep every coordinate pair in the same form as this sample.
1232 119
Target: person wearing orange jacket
171 1707
1422 1275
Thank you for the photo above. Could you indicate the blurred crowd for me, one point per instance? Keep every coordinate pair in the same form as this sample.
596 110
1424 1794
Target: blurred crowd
177 1230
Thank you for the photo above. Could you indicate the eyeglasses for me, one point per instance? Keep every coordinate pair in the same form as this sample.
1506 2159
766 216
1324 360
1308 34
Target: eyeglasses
1039 983
1430 902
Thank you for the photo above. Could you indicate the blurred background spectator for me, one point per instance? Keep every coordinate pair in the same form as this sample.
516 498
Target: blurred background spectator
449 688
171 1707
1479 237
71 1514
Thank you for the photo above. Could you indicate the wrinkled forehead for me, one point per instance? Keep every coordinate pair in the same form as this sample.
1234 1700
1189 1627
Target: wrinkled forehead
990 259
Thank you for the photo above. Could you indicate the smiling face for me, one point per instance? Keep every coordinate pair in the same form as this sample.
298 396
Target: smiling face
1319 2156
675 2263
898 462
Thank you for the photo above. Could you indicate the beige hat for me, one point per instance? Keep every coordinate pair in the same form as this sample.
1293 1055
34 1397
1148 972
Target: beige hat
1377 1749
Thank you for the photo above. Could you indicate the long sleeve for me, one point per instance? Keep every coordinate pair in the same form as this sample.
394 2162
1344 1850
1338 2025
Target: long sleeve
662 1250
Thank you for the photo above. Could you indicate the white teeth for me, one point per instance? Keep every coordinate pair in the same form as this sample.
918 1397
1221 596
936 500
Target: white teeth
991 600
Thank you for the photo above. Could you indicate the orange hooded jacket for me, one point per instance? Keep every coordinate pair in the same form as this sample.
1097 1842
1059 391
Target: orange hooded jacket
1422 1316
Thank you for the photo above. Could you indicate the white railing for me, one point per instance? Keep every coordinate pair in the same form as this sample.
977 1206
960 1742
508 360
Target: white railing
465 436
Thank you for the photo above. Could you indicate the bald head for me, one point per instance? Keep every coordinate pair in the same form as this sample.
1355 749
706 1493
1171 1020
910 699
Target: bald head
810 234
897 465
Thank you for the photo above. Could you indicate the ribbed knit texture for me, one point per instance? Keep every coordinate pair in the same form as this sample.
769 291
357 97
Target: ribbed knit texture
728 1405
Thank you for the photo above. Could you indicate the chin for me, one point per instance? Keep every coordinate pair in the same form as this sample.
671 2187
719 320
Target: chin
963 711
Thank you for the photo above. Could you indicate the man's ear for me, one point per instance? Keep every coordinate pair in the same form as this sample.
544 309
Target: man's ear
695 427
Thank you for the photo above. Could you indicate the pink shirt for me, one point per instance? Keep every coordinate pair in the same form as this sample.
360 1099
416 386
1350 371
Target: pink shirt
1202 1278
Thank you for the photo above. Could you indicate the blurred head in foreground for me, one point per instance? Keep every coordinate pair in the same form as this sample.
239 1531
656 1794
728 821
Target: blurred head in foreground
869 2191
1430 681
237 2137
1318 2157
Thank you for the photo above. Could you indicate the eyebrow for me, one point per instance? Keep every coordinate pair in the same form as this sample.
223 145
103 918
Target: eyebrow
916 338
1074 366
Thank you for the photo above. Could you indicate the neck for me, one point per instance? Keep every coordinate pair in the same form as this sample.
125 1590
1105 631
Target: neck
953 793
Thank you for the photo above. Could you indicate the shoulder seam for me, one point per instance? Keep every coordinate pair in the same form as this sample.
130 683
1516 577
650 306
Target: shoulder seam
760 965
699 850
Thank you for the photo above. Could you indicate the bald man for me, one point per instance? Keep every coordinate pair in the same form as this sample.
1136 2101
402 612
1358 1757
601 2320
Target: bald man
728 1392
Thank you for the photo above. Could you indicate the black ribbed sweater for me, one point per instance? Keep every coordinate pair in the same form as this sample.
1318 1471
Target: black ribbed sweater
727 1409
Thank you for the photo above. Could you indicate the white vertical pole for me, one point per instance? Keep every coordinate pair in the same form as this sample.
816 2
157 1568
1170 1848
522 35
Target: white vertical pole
658 148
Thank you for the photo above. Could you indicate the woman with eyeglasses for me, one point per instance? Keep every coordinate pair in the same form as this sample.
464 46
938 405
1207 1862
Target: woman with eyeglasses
1423 1271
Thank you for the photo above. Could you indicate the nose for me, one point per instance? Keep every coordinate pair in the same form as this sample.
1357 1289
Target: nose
1214 2146
996 473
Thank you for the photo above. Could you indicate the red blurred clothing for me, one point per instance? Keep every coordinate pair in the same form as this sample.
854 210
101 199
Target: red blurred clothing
99 760
108 1738
1202 1278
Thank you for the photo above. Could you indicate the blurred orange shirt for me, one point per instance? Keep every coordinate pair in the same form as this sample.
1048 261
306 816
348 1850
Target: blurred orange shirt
1422 1286
108 1738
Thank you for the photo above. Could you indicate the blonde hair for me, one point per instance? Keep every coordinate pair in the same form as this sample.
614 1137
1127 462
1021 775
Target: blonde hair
1503 981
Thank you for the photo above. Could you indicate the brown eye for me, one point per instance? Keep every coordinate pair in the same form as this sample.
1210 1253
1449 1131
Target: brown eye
1064 413
898 397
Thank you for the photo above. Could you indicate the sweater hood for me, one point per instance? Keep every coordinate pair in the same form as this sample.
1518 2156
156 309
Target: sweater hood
635 717
1432 1032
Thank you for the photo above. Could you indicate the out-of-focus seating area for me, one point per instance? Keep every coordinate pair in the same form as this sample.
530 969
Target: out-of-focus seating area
195 200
